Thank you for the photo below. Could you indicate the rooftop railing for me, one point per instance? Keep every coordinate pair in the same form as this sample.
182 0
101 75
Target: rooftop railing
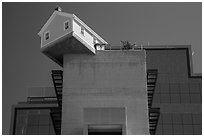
41 94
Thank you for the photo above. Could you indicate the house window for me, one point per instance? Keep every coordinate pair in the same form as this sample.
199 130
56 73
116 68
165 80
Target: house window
66 25
82 30
47 35
94 41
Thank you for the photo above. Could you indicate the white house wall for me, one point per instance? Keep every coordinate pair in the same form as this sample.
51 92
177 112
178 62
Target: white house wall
87 37
56 29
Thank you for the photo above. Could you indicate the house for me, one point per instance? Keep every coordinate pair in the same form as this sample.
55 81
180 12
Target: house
71 35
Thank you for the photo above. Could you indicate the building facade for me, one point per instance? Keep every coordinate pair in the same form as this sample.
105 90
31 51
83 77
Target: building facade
35 116
104 89
178 91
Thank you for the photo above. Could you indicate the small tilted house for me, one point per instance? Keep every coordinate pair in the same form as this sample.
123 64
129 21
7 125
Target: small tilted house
66 33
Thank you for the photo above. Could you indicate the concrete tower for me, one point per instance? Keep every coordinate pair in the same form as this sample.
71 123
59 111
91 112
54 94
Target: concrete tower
104 91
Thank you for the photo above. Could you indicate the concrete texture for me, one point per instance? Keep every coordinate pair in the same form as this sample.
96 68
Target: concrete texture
109 79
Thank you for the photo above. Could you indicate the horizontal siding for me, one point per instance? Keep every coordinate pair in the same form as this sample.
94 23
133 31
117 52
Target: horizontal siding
56 29
87 37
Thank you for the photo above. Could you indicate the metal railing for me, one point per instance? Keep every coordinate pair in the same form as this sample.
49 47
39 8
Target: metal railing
41 94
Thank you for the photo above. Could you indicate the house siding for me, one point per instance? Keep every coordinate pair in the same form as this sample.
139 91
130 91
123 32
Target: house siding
87 37
56 32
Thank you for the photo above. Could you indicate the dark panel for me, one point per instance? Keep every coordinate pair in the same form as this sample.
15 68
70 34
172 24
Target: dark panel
188 129
159 130
44 120
19 130
195 98
164 88
33 119
197 129
194 88
32 130
187 119
165 98
178 129
30 120
167 118
156 98
21 120
197 119
160 119
167 129
184 88
157 87
177 118
185 98
175 88
44 130
175 98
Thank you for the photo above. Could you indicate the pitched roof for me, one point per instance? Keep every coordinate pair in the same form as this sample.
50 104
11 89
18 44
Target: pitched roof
52 17
89 29
70 16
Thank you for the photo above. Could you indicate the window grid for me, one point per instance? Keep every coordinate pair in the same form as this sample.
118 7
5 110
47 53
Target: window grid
94 41
66 25
47 35
192 123
179 97
29 127
82 31
200 87
182 124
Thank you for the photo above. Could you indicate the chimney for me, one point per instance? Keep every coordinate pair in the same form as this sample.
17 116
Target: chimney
58 8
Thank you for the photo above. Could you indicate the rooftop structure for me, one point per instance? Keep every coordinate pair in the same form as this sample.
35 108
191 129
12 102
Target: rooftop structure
70 36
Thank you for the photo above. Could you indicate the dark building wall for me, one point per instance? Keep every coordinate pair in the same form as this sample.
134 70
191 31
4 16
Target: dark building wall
32 121
177 94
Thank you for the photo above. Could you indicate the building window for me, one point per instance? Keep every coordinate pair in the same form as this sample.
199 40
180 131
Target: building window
94 41
66 25
82 30
47 35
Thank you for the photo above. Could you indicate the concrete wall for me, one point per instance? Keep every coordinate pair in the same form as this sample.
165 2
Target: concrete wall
109 79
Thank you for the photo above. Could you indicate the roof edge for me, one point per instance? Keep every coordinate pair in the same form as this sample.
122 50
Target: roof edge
188 53
89 29
189 56
51 18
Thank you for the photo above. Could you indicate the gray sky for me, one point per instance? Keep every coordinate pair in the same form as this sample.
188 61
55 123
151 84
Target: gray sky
24 66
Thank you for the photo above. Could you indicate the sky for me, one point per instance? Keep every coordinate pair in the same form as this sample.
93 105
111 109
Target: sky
24 66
